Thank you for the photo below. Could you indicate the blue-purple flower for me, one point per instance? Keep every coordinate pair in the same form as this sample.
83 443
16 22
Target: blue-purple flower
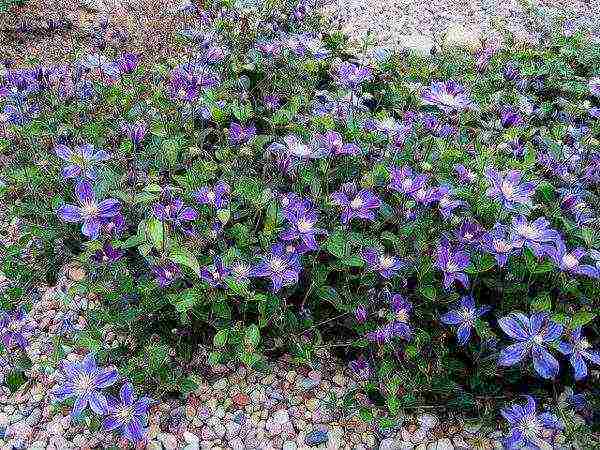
332 142
499 243
136 132
281 267
14 328
386 265
527 426
509 117
216 273
532 335
578 349
361 368
452 263
82 160
535 235
90 211
127 414
464 175
405 181
449 96
508 188
594 86
84 382
351 75
355 203
296 149
217 196
239 134
174 211
166 273
302 223
361 314
464 315
107 254
571 261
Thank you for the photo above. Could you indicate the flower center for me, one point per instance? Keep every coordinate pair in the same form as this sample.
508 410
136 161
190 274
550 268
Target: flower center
402 315
125 414
507 189
84 384
211 196
530 426
277 265
304 226
386 262
406 183
468 315
538 339
527 231
501 246
89 209
451 267
357 203
569 261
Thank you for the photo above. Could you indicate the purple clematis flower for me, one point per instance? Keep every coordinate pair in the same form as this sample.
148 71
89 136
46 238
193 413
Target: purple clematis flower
361 314
356 204
240 271
90 211
361 368
14 328
578 349
594 86
405 181
449 96
82 160
294 148
108 254
531 334
509 117
452 264
464 175
281 267
166 273
84 382
499 243
469 233
217 196
352 76
508 188
387 266
446 203
136 132
127 414
386 333
526 426
174 211
215 275
127 63
332 142
302 226
464 315
238 134
535 235
570 261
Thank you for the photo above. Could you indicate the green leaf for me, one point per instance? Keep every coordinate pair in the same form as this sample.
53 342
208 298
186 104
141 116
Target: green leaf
214 358
14 380
155 230
220 339
336 244
183 256
582 318
252 336
188 384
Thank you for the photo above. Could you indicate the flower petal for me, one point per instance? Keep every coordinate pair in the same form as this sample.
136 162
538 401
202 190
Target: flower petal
513 354
544 363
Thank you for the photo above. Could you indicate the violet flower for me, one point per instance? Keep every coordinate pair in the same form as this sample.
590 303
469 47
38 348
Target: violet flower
302 226
464 315
136 132
509 117
387 266
469 233
498 242
361 314
90 211
532 335
332 142
361 368
594 86
352 76
508 188
14 328
449 96
534 235
82 160
238 134
174 211
527 426
217 196
108 254
215 274
465 175
405 181
166 273
579 350
127 414
294 147
127 63
84 382
570 261
356 204
281 267
452 264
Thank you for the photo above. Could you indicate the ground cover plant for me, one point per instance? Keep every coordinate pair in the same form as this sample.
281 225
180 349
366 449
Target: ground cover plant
432 220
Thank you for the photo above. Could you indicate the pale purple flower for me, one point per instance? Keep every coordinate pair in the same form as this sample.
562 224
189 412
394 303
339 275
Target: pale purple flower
469 233
14 328
127 414
574 203
449 96
302 223
527 426
508 188
107 254
499 243
136 132
464 316
173 211
535 235
465 175
281 267
295 148
240 271
579 350
361 368
401 309
215 274
332 142
386 265
356 204
532 335
239 134
90 211
351 75
84 382
360 314
452 263
510 117
571 261
217 196
128 62
405 181
166 273
386 333
82 160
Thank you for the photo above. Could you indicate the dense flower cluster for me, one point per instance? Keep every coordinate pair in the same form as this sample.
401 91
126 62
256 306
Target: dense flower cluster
263 188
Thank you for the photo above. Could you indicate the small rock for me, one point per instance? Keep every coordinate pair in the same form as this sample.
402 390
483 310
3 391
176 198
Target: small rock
339 379
289 445
233 429
427 421
241 399
190 438
442 444
316 437
220 384
281 416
